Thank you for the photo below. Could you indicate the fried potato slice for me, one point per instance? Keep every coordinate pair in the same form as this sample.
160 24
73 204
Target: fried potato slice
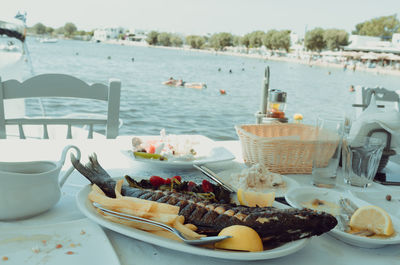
191 227
190 234
141 226
159 212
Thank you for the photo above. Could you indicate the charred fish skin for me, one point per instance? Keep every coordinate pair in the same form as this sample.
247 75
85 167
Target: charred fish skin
272 224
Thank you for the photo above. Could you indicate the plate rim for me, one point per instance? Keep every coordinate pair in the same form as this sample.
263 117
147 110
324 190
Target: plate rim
340 234
84 206
294 183
206 160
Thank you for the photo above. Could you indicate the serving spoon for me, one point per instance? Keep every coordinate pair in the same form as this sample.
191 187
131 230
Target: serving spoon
185 238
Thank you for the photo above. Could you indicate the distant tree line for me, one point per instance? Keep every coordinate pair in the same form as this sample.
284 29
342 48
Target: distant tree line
69 30
219 41
383 27
317 39
164 39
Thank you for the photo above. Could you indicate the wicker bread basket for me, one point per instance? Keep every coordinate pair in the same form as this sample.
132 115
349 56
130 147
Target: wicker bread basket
282 147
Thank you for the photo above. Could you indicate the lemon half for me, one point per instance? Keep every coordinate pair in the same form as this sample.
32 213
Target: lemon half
372 218
253 198
243 238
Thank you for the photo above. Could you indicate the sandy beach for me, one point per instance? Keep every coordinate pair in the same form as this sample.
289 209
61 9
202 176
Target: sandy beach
378 70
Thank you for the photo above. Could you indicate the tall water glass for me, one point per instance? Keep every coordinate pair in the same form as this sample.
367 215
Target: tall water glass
360 160
327 150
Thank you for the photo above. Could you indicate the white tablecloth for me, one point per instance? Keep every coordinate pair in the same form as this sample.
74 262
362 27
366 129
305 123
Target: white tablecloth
323 249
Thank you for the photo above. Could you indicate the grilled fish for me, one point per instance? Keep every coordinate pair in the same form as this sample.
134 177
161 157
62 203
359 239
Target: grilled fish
272 224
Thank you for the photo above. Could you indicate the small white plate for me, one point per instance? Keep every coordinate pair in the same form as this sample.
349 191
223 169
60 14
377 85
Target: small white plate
225 177
87 209
378 198
213 154
38 244
298 197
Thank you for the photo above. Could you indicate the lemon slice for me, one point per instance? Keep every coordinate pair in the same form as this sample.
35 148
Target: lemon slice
148 155
243 238
253 198
372 218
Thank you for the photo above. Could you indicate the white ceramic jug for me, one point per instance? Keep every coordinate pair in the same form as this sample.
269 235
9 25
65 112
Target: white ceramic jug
30 188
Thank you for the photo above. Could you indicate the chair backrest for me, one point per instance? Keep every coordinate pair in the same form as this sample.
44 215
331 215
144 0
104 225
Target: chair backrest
61 86
363 97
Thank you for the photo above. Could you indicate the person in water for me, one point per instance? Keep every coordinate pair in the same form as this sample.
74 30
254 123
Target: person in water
171 81
180 83
351 89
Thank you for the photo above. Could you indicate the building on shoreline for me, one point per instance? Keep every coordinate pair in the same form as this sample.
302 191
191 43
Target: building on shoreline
107 33
374 44
136 35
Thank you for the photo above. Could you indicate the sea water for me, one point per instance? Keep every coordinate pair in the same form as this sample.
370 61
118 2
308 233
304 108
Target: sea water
147 106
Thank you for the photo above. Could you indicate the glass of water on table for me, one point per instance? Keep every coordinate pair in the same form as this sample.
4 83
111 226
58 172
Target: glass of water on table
327 150
360 159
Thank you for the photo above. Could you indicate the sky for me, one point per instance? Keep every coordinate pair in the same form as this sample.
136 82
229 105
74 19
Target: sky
202 16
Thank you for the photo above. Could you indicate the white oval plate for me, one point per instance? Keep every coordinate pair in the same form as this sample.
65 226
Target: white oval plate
298 197
217 154
88 210
225 177
210 153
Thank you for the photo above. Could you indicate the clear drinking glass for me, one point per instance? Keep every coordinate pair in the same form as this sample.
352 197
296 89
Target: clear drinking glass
327 150
360 159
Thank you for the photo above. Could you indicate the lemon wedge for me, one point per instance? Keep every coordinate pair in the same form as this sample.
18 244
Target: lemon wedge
242 238
253 198
148 155
372 218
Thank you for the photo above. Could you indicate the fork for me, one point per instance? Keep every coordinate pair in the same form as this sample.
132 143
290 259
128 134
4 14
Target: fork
185 238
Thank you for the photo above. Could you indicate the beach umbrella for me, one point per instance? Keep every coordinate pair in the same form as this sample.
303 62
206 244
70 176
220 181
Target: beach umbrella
393 57
370 56
384 56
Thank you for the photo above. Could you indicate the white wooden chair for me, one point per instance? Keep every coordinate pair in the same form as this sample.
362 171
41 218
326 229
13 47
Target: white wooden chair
61 86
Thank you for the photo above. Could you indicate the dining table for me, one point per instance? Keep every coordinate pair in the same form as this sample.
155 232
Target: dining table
320 249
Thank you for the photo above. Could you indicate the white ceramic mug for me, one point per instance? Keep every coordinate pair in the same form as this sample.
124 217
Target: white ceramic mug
30 188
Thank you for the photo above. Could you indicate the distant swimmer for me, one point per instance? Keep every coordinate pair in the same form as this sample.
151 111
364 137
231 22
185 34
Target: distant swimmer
329 73
219 69
109 57
171 82
351 89
222 91
133 59
242 69
230 71
180 83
